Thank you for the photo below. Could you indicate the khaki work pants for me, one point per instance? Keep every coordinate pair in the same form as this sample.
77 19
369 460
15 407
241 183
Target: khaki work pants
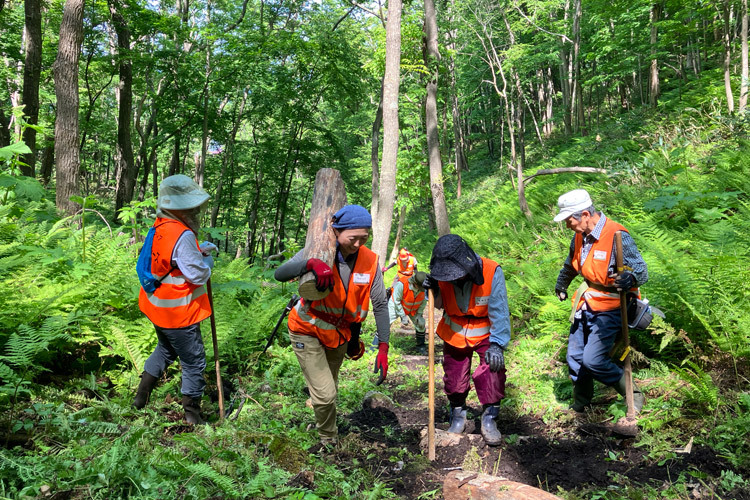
320 366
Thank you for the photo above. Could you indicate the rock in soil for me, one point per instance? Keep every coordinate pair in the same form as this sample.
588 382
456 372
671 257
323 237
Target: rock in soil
460 485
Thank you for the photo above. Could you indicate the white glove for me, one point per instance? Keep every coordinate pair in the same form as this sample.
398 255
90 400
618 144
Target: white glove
207 247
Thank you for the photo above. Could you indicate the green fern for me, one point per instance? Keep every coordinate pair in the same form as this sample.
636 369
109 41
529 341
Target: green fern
700 390
205 472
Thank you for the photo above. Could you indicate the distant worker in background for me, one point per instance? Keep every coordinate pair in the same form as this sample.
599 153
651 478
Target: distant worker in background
180 303
407 265
323 331
596 305
408 302
471 291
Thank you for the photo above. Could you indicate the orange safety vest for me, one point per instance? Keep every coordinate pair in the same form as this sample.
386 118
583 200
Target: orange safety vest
409 301
329 318
595 270
176 303
406 270
467 329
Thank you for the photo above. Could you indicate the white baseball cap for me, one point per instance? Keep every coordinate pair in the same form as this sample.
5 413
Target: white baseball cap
572 202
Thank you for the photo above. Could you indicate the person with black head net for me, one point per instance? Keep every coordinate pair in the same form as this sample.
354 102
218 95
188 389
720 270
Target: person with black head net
471 291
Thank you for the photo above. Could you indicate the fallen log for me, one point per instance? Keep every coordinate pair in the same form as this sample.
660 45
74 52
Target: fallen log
465 485
329 195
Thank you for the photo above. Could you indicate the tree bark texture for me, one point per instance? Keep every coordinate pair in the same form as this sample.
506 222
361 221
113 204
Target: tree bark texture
653 85
727 38
125 173
329 196
65 70
374 155
744 70
431 58
387 194
31 71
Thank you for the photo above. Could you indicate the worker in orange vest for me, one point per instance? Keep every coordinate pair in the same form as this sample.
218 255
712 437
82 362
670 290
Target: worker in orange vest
596 305
180 303
407 265
471 291
323 332
408 302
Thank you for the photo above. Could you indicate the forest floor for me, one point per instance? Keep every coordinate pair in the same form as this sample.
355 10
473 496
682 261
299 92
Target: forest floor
575 454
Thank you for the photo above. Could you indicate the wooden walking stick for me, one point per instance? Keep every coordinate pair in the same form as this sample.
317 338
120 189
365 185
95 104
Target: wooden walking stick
219 387
431 374
625 331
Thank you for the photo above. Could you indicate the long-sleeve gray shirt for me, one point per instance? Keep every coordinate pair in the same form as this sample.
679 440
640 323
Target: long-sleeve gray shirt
297 266
631 257
498 310
190 260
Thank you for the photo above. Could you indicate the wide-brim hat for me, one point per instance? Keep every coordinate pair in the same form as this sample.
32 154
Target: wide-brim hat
572 202
453 258
180 192
418 278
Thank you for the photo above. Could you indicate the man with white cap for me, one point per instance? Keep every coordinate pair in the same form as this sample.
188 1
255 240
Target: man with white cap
596 305
178 305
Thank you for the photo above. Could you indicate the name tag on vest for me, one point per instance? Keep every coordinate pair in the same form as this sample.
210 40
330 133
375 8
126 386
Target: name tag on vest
600 255
361 278
482 301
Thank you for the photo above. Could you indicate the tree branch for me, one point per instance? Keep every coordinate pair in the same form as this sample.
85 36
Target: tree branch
549 171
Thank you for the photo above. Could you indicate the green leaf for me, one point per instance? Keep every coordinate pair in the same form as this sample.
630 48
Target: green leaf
18 148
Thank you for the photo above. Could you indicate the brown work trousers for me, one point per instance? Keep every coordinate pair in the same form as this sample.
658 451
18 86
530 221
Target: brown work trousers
320 367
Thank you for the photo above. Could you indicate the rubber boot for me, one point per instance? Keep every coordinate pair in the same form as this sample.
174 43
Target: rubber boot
192 408
490 433
458 420
583 391
638 397
145 388
421 346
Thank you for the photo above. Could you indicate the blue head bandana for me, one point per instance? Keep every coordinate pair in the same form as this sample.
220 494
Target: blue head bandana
352 217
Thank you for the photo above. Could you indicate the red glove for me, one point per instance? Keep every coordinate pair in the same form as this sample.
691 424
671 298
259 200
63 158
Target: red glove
381 362
323 274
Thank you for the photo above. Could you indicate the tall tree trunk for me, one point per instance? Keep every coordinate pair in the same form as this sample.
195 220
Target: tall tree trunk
31 71
565 77
431 56
653 85
744 71
48 160
174 163
399 232
576 70
382 224
200 170
124 163
65 71
227 159
727 37
4 130
374 155
459 143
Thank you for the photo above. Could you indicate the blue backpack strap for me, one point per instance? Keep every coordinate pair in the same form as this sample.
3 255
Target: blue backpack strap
149 282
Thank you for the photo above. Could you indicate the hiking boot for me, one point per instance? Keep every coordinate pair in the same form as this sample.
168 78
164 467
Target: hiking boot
583 391
490 433
638 397
421 346
192 408
145 388
457 420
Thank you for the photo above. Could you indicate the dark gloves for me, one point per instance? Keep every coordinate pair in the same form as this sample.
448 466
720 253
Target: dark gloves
323 274
356 348
431 283
625 281
495 358
381 362
561 294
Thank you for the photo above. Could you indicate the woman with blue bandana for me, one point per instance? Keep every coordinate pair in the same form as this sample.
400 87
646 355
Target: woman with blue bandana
323 332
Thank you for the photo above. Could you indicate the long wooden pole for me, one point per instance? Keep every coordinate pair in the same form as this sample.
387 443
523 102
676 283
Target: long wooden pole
625 331
431 374
219 386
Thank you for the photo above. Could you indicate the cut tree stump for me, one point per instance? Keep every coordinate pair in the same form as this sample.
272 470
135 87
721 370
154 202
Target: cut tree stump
329 196
465 485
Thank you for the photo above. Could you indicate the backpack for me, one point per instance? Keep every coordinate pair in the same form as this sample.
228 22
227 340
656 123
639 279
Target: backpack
149 282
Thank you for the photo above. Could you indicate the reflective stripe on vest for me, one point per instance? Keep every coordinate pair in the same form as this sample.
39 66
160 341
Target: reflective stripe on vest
467 329
347 305
409 301
176 303
595 270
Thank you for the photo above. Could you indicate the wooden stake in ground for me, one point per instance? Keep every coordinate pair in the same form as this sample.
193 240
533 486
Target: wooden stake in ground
329 195
219 386
625 331
431 374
